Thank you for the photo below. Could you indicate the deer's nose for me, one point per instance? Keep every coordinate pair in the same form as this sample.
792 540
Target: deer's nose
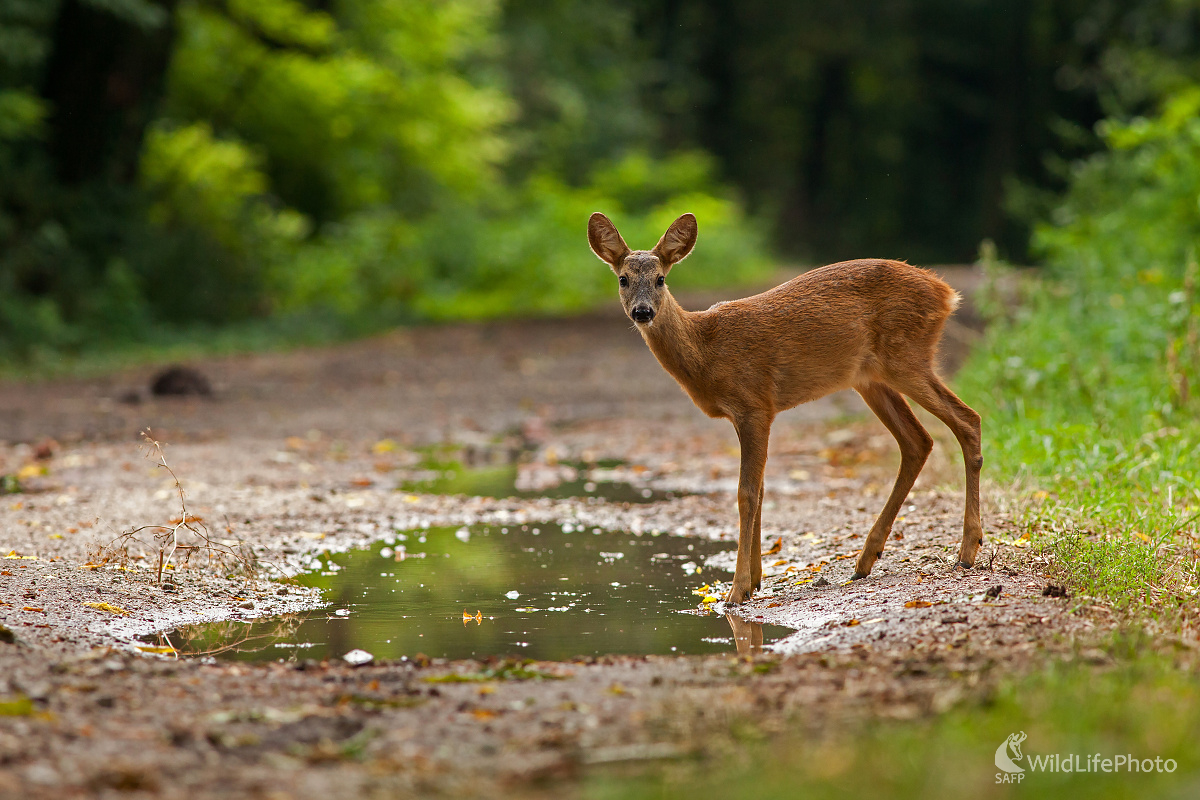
642 313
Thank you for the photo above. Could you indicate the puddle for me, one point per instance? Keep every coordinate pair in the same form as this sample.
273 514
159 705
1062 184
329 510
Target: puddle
536 591
613 484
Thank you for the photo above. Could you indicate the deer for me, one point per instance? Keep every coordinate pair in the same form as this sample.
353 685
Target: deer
872 325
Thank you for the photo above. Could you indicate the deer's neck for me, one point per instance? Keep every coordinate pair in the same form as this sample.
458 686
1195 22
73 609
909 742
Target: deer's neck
674 340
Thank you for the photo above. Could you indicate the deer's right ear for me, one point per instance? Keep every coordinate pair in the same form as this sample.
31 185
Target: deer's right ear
606 242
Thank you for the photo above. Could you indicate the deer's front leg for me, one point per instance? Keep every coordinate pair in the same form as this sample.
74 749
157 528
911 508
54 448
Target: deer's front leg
756 542
753 434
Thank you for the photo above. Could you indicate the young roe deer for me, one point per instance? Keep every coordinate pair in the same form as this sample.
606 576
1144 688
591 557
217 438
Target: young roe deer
871 325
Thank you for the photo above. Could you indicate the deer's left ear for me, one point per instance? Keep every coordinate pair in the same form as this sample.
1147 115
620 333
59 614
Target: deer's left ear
677 242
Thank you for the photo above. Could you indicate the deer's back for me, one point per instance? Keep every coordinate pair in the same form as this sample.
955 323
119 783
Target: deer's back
830 328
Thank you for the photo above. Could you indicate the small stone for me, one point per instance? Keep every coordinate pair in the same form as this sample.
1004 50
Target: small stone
247 604
180 381
994 592
1054 590
7 636
281 590
358 658
820 582
168 587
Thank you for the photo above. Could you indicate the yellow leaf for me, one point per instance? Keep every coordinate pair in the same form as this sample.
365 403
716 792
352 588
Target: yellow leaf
712 598
383 446
165 650
1142 536
411 498
13 554
30 471
109 607
918 604
780 562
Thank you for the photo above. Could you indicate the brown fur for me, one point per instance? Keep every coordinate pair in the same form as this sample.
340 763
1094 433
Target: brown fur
872 325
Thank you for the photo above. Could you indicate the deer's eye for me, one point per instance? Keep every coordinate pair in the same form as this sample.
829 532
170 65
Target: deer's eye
623 281
661 280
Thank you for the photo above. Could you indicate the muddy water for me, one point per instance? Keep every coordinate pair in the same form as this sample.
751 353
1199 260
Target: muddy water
535 591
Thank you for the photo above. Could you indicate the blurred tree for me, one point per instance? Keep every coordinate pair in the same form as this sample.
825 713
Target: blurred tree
172 161
894 127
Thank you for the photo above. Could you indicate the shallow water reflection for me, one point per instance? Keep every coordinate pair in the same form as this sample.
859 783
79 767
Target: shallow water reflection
538 591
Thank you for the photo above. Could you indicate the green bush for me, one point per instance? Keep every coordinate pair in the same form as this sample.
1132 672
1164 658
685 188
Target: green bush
1088 387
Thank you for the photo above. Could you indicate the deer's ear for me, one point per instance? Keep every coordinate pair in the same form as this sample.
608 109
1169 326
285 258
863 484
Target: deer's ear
678 241
606 242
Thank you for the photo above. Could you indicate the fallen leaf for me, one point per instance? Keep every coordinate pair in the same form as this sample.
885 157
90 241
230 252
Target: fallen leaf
311 535
775 548
712 598
109 607
1142 536
383 446
850 623
774 605
165 650
13 554
483 714
34 608
918 604
30 471
779 563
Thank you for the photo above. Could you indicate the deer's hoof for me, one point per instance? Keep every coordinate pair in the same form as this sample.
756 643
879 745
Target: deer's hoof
738 594
963 565
858 576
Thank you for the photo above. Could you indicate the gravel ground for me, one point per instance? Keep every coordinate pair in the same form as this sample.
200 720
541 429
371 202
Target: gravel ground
302 452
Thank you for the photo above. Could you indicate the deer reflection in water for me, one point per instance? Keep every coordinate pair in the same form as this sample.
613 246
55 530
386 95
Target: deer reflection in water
748 636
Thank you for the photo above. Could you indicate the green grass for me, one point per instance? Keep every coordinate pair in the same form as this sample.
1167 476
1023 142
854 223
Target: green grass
1082 406
1147 706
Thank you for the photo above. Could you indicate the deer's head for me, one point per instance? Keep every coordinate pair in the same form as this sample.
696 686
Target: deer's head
642 274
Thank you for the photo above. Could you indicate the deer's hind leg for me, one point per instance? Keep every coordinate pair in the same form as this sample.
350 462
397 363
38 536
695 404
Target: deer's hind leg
965 423
915 446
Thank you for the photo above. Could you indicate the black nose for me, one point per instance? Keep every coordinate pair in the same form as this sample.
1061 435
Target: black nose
642 313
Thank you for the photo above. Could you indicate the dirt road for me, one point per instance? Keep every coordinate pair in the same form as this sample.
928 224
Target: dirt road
301 452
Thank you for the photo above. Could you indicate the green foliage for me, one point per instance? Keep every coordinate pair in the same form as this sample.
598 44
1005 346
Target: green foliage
1144 707
338 169
1088 388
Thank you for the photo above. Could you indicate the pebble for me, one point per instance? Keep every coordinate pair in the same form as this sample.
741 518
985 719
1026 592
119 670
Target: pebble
358 658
